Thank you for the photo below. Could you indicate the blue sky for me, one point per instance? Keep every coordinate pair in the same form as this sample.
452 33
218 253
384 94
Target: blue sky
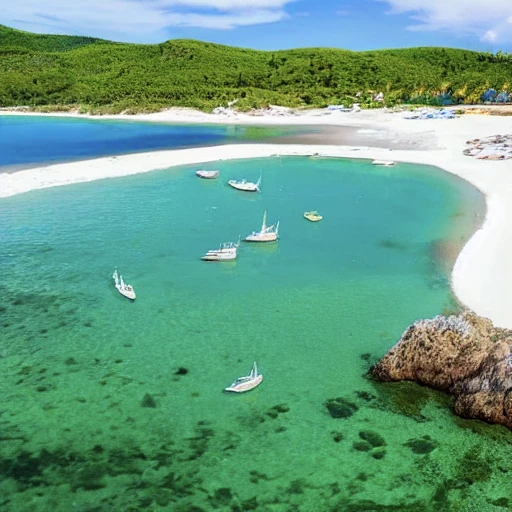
275 24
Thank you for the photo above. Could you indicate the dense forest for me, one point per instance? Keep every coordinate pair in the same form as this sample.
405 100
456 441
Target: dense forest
59 72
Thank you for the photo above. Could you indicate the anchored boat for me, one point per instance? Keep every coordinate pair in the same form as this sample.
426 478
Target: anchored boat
246 383
266 234
124 289
246 186
313 216
384 163
225 252
206 174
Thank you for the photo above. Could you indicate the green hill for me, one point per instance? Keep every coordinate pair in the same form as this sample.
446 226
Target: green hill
43 42
38 70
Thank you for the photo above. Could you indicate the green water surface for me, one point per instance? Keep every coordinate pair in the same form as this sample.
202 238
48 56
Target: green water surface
118 406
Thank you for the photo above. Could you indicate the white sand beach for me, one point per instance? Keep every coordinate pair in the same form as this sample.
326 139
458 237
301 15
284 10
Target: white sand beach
481 277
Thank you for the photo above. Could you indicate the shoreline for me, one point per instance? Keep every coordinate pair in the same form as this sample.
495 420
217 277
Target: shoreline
480 277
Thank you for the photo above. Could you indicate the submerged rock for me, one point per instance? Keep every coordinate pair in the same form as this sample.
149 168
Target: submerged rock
340 407
148 401
422 446
373 438
464 355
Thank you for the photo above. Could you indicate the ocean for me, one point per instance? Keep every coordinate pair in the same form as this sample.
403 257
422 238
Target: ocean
115 405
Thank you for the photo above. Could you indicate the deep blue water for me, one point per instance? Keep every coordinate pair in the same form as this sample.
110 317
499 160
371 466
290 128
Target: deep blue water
27 140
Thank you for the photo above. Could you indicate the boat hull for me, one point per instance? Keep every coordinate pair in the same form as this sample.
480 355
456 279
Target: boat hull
129 294
245 386
215 258
219 257
207 175
261 238
384 163
246 187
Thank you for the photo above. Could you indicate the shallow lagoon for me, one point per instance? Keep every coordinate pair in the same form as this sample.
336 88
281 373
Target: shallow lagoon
112 405
31 140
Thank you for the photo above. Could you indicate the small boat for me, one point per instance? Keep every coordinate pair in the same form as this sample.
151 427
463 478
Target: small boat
384 163
266 234
225 252
206 174
246 186
123 288
313 216
246 383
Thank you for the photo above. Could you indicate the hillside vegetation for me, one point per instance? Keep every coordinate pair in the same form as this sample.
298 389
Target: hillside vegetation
49 70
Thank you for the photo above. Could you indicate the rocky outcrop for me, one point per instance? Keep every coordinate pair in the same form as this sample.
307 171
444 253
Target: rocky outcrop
497 147
464 355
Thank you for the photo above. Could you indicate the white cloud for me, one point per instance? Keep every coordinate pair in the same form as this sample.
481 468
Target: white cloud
137 20
490 36
227 5
462 17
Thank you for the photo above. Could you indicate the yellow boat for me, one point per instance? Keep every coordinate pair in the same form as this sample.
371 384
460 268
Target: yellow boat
313 216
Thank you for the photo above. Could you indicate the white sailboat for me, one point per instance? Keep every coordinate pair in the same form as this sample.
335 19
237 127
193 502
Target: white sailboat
246 186
123 288
225 252
266 234
246 383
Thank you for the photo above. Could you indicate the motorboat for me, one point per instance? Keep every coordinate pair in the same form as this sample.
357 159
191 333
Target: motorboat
207 174
226 252
266 233
246 186
384 163
246 383
124 289
313 216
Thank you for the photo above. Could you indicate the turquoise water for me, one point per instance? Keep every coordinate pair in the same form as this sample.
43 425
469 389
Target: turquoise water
113 405
30 140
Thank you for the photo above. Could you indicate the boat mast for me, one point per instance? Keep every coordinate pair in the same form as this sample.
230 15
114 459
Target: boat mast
264 225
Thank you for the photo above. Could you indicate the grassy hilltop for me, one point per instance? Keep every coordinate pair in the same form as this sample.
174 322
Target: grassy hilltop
52 70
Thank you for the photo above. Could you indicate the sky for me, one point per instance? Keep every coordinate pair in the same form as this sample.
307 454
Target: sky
275 24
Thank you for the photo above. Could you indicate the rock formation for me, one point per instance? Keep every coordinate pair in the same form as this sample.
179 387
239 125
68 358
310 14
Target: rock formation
464 355
497 147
